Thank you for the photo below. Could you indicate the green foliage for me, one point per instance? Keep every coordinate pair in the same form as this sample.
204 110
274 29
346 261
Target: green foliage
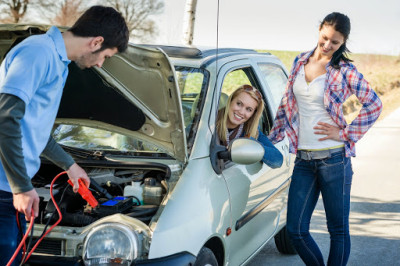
287 57
233 80
190 83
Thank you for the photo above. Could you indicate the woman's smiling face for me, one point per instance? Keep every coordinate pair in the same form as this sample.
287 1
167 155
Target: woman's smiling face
329 40
242 107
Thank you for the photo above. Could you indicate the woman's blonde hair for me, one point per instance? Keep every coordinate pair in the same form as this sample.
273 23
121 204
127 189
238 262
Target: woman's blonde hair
250 127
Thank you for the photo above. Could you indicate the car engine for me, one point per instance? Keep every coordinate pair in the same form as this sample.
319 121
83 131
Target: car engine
129 190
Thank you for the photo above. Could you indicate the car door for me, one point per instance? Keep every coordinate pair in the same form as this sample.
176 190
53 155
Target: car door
256 191
274 79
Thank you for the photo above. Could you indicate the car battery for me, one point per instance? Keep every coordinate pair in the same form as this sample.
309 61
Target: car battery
115 205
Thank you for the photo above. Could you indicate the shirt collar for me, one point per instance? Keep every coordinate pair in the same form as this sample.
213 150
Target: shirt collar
55 34
304 59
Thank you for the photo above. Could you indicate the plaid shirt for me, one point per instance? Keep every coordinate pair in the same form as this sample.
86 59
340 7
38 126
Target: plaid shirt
340 84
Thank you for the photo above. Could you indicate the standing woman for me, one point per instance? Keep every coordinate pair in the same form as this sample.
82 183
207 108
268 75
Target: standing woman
311 115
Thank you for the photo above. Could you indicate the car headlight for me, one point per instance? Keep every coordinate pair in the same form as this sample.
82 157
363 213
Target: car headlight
111 244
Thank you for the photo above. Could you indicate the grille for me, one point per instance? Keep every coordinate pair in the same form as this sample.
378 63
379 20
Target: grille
49 246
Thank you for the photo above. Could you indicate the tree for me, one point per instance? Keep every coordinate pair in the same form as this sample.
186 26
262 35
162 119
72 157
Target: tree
69 13
137 14
188 22
61 13
12 11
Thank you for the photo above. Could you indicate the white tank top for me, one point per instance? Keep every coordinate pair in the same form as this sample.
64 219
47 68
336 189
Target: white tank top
310 100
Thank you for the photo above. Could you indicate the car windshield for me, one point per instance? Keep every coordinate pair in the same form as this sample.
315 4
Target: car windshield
191 82
90 138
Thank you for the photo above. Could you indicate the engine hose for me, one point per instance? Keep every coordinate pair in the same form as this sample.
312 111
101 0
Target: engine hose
136 198
100 189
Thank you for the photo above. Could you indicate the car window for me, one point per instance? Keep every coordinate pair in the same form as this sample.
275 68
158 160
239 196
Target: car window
232 81
192 84
276 79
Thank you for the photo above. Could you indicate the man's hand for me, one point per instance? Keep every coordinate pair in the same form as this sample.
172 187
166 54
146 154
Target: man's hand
331 131
74 173
26 202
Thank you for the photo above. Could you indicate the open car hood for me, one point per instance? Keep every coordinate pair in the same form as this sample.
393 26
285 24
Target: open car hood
135 93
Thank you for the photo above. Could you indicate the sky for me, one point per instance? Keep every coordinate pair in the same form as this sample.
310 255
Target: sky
283 25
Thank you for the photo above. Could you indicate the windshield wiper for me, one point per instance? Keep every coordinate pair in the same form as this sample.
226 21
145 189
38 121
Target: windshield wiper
82 153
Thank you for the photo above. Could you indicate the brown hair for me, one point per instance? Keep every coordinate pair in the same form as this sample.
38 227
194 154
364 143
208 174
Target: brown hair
341 23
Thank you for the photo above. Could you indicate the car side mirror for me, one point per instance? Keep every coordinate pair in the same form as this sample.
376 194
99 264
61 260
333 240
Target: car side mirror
243 151
240 151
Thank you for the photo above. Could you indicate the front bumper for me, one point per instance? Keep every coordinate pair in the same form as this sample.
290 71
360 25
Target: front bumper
179 259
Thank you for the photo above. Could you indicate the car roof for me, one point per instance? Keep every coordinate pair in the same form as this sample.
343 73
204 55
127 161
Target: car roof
198 52
205 55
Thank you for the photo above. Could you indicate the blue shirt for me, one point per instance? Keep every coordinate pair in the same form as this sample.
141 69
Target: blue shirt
35 71
272 156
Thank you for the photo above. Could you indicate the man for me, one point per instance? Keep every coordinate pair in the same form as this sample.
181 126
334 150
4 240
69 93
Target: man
32 77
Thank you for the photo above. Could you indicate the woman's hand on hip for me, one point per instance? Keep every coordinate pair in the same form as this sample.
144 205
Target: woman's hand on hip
331 131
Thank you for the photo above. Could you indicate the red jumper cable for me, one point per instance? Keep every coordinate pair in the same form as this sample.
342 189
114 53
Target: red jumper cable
22 241
32 222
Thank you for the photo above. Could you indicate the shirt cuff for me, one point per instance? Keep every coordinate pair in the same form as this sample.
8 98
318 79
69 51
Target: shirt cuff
343 134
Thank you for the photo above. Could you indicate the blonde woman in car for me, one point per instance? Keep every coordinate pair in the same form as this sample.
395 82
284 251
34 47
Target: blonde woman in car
240 117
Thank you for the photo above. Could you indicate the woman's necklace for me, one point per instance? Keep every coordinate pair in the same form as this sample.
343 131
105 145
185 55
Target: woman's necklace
228 134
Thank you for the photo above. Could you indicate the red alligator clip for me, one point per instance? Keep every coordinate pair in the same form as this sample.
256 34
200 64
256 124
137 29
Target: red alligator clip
85 193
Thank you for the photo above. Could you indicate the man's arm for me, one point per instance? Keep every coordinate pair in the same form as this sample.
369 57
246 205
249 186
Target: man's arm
54 153
12 110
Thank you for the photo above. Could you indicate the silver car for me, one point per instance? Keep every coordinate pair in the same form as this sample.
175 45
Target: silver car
143 128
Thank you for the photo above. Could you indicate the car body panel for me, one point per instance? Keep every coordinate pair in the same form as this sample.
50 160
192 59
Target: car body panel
197 209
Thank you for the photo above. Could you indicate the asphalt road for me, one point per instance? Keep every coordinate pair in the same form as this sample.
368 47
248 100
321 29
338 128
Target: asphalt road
375 204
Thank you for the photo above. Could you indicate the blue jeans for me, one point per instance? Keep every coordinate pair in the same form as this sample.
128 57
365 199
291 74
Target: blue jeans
10 235
332 178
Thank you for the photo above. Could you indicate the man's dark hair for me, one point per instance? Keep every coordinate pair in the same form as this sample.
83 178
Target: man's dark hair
106 22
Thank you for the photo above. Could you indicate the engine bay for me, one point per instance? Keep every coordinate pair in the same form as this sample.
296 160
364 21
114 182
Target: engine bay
131 189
